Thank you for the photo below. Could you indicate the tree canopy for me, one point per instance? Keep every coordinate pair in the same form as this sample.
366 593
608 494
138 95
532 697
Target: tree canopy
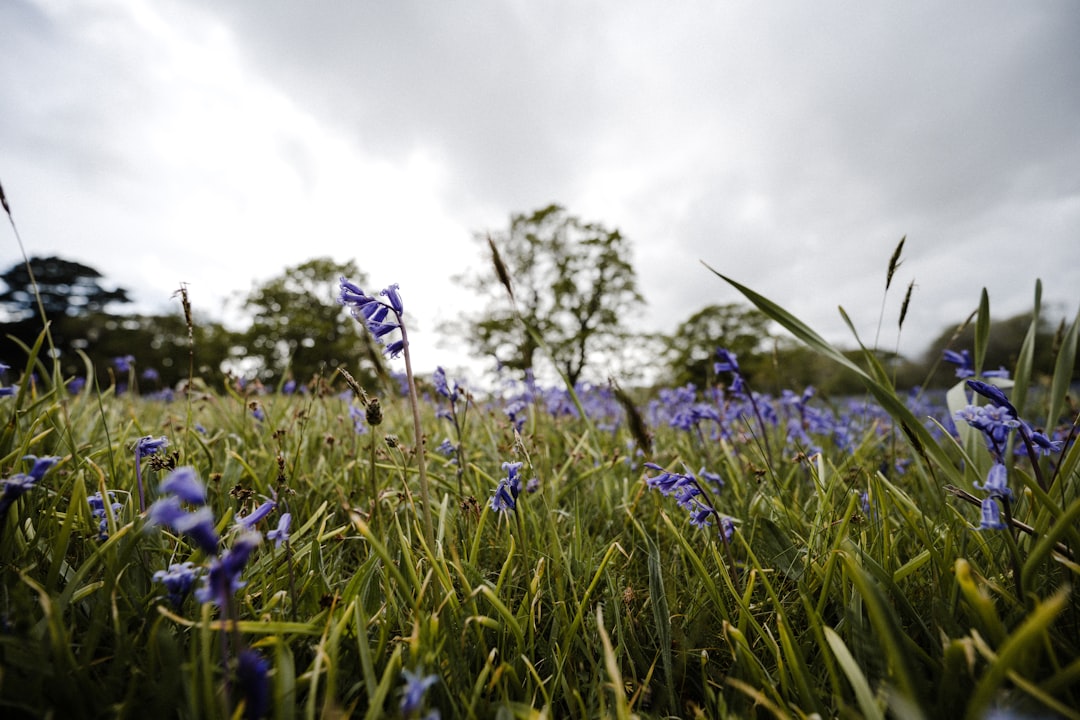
572 282
67 288
298 328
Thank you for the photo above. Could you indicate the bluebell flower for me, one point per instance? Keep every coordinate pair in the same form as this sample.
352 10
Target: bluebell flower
439 379
145 447
376 314
7 391
97 509
184 483
252 674
18 484
996 482
994 394
123 363
281 533
178 580
198 525
446 448
508 489
150 375
248 522
991 519
962 361
1044 445
223 578
727 361
416 686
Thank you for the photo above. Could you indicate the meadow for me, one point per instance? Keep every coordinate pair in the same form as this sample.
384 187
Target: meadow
542 552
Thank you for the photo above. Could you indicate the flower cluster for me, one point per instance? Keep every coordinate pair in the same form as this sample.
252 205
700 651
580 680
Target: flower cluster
97 509
144 448
222 579
19 483
965 368
506 493
690 495
996 421
178 580
381 317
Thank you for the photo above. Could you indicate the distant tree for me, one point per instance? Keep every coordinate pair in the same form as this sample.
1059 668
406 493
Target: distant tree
572 282
1003 348
691 349
159 347
299 329
67 288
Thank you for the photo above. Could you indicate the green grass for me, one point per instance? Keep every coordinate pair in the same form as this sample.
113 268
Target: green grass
595 598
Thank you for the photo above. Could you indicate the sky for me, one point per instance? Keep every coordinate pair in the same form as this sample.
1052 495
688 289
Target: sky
788 145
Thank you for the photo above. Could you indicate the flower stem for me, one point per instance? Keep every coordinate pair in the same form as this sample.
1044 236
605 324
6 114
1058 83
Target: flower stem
421 461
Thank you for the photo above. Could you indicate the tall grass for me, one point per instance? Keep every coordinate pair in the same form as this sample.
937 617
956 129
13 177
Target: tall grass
857 582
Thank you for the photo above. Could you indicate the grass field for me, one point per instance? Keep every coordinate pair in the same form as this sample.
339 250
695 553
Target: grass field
688 553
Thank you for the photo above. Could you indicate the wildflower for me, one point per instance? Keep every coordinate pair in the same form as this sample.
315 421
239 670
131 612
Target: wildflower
991 519
150 375
145 447
18 484
994 395
123 363
506 493
184 483
515 412
996 482
962 361
281 534
1044 445
248 522
223 578
177 580
198 525
252 671
375 313
97 509
666 482
416 686
727 362
446 448
441 386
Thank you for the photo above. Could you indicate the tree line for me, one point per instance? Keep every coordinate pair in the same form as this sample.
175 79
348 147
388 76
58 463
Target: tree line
558 295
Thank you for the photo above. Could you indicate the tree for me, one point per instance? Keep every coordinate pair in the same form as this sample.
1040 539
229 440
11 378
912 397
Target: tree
299 329
67 288
691 349
572 282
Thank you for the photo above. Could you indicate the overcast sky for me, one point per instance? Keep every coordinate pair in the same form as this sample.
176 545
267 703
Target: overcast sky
789 145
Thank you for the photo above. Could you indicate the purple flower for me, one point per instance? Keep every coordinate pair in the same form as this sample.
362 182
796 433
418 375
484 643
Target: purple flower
508 489
252 671
993 394
996 482
248 522
446 448
97 509
727 362
962 360
375 313
184 483
123 363
19 483
416 686
223 579
281 534
991 519
198 525
145 447
178 580
1044 445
